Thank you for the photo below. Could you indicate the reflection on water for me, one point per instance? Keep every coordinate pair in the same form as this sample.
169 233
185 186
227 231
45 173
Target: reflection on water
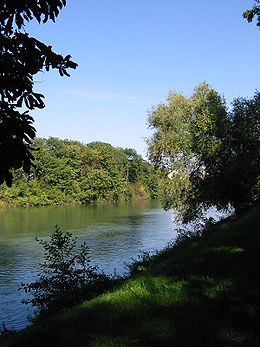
114 233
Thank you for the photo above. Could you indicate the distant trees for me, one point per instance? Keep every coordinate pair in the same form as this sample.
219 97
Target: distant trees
21 58
210 156
135 164
67 171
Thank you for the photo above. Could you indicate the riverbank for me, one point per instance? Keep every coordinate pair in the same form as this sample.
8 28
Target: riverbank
67 172
4 206
204 292
37 196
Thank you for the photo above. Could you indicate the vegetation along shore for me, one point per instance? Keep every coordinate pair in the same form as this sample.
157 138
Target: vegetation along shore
68 172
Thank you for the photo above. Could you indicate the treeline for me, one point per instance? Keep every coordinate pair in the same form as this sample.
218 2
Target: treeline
68 172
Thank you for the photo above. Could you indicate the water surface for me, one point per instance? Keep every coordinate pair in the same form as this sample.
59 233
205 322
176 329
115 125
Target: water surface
115 234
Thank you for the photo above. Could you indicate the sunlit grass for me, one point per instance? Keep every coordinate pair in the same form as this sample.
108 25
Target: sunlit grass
136 294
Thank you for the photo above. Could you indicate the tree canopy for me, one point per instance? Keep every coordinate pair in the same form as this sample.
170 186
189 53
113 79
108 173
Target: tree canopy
21 58
210 155
67 171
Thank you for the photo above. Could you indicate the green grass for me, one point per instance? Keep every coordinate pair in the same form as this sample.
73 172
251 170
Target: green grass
205 293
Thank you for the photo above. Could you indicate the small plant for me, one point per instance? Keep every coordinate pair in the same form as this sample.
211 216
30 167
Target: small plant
67 276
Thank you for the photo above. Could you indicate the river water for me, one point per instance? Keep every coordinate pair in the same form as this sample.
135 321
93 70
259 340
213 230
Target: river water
115 234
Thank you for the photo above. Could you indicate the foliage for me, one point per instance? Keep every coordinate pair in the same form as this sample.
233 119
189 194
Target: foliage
66 274
70 172
210 156
240 166
21 58
253 12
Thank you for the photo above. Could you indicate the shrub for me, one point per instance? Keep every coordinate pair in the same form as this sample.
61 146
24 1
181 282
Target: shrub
67 276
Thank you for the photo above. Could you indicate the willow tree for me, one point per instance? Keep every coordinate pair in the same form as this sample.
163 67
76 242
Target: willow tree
196 143
21 58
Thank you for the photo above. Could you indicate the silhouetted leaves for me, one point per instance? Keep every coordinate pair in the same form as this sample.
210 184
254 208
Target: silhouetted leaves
21 57
253 12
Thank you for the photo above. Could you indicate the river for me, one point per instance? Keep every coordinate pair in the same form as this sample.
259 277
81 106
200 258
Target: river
115 234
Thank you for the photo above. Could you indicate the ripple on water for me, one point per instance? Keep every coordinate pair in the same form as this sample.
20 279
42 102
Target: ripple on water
115 234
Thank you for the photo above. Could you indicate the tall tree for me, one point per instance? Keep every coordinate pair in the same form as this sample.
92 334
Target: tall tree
21 58
210 156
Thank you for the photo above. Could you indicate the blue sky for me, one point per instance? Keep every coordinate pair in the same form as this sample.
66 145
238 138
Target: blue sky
131 53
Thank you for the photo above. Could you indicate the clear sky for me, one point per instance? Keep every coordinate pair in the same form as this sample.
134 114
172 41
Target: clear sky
131 53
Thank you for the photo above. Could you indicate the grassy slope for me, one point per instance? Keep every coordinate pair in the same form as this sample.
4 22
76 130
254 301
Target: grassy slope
204 294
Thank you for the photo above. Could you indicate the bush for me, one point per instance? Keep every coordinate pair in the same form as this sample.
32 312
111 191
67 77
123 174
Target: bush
67 276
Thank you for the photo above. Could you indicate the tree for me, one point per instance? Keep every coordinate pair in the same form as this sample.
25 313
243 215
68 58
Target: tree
254 11
21 58
135 165
242 164
210 156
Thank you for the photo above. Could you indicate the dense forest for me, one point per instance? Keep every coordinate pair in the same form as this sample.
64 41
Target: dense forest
66 172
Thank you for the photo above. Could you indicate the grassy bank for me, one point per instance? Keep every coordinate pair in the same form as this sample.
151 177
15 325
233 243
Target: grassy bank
203 293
